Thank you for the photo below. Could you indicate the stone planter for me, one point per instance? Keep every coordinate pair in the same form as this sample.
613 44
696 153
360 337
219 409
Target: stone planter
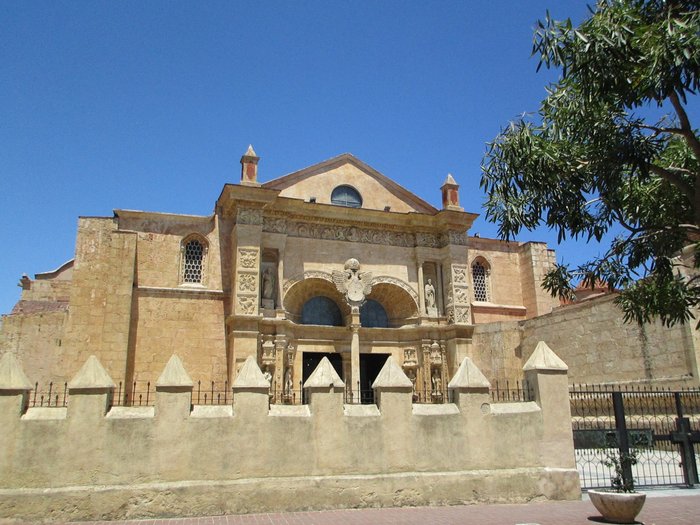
617 507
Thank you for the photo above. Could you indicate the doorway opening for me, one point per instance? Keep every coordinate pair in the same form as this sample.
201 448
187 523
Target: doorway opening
370 366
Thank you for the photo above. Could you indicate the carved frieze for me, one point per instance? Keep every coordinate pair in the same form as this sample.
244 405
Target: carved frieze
252 216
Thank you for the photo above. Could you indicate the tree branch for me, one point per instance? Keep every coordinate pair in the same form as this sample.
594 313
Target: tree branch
686 128
673 178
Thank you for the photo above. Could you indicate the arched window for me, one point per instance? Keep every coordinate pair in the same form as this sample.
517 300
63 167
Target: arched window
321 310
346 196
373 315
480 280
193 253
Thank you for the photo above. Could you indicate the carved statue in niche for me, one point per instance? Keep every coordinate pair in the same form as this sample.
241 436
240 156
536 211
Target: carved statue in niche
430 306
352 283
436 381
268 288
267 375
288 383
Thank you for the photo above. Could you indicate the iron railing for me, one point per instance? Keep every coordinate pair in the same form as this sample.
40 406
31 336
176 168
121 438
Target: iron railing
54 396
659 425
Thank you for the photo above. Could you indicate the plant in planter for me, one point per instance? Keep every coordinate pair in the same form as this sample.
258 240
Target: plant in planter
621 503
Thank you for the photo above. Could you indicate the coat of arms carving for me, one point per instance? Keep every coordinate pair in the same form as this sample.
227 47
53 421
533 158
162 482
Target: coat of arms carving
352 283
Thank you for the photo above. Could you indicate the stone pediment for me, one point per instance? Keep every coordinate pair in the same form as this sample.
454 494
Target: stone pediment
377 191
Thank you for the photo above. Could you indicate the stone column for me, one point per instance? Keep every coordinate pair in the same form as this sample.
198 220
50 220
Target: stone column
421 289
355 351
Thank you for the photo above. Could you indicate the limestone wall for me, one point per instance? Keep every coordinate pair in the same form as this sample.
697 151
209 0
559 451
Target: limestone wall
599 347
170 460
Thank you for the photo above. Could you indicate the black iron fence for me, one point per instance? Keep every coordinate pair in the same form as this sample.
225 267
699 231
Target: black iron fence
138 393
55 395
659 426
212 393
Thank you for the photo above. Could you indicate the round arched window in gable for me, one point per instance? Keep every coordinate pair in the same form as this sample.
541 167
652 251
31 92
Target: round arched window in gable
346 196
321 310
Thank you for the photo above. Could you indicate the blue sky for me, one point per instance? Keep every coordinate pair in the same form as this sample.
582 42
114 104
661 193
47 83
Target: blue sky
150 105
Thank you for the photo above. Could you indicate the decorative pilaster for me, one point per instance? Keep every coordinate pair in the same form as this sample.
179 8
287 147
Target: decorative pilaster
458 304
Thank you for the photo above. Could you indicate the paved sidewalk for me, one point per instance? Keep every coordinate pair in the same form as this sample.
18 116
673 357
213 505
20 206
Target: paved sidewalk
663 507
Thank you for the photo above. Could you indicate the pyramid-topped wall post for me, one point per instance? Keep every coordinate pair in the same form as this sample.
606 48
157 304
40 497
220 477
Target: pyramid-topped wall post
393 391
469 387
173 392
325 390
251 391
547 378
450 194
249 168
14 390
90 392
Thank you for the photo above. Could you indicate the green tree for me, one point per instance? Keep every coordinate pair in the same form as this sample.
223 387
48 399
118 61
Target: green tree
590 161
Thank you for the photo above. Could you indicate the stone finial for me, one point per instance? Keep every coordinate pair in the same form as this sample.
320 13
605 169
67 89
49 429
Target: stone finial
391 376
251 377
469 377
249 167
543 358
12 376
92 375
450 194
174 374
324 376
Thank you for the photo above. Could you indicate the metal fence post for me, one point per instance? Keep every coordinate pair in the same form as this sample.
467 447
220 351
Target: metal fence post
622 437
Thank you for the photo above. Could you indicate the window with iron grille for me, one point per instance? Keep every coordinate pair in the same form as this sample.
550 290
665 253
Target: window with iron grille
193 262
480 281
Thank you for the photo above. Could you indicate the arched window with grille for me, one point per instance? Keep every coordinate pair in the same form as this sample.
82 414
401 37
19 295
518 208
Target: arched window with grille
194 251
481 280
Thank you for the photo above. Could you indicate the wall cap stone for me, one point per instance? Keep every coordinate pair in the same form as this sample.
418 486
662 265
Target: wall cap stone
543 358
174 374
468 376
250 376
391 376
324 376
91 376
12 377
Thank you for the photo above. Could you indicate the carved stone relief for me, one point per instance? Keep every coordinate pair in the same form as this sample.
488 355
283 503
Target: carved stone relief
248 258
247 282
462 295
246 305
461 315
311 274
251 216
459 273
396 282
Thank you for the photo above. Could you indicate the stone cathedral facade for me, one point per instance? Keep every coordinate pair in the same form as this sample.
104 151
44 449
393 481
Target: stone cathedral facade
334 260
